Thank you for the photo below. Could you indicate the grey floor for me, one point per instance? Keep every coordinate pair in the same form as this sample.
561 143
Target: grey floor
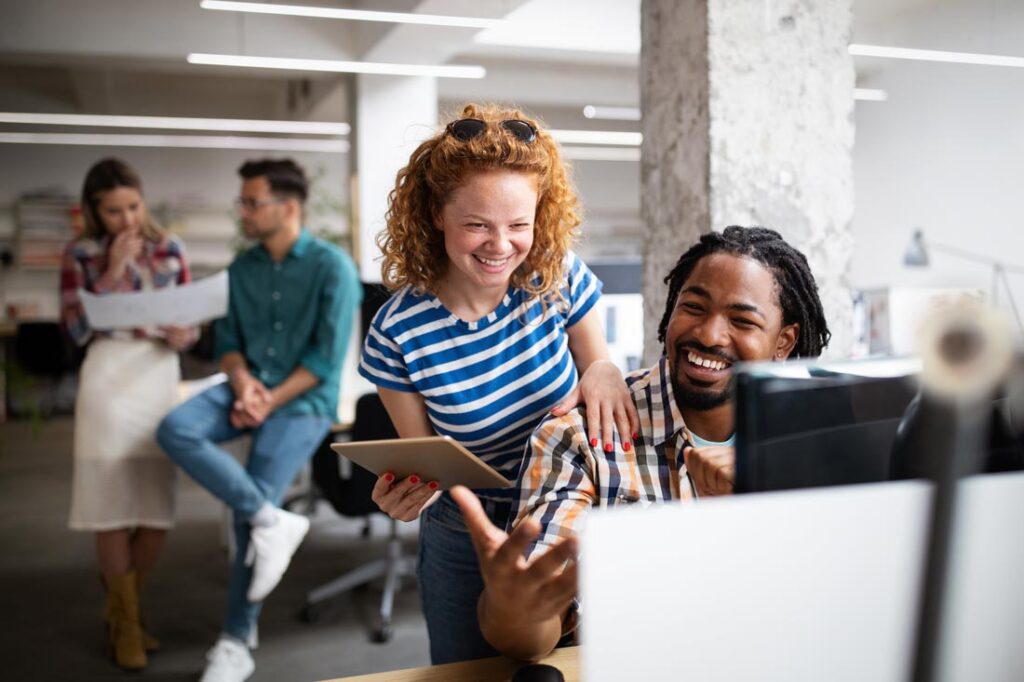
51 599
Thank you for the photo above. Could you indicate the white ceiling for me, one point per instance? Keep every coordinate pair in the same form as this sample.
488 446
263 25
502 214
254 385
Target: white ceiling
128 56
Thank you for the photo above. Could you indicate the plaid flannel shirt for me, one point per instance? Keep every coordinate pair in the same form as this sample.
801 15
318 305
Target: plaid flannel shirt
563 476
161 264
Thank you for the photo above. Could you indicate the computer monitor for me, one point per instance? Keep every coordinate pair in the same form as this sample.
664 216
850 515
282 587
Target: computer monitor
811 424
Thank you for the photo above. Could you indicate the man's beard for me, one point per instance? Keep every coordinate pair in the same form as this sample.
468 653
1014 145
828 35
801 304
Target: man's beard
699 399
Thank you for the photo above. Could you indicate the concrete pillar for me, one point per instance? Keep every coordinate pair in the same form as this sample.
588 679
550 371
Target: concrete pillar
392 116
747 120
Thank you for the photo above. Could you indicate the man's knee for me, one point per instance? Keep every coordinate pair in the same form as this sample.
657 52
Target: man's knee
173 434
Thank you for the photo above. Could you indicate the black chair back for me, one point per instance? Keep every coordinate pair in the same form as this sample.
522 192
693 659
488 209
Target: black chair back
350 496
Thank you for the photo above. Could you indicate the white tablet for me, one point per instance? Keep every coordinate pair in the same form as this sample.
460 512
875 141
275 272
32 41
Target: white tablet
435 458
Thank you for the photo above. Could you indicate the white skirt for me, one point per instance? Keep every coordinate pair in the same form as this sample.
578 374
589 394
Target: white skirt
122 479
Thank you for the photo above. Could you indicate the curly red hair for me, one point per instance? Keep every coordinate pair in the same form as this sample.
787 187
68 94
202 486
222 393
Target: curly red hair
414 248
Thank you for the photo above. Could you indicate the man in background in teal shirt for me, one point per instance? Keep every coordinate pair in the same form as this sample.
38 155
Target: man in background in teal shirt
292 302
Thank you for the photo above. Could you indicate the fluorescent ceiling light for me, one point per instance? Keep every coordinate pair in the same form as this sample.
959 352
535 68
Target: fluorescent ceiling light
601 153
633 113
870 95
178 123
335 66
612 113
859 50
289 144
610 137
351 14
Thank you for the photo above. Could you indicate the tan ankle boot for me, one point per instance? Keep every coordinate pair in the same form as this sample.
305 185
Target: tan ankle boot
149 642
123 625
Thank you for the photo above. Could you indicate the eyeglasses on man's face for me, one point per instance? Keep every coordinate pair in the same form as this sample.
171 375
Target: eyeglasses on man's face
466 129
250 204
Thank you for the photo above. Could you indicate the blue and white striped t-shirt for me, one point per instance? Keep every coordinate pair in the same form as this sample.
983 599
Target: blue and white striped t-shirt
488 383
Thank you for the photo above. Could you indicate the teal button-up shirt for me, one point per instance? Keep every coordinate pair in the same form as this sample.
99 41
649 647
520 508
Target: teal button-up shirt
298 312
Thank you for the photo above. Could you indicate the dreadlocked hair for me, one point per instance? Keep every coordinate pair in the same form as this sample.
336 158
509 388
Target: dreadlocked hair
798 292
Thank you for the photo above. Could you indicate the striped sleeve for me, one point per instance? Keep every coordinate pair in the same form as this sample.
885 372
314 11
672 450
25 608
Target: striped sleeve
382 362
557 481
584 288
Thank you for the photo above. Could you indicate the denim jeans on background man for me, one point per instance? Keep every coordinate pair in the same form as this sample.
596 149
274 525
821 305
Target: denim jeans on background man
450 582
280 446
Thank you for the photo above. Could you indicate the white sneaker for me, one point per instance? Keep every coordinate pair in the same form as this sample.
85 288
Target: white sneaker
271 549
228 661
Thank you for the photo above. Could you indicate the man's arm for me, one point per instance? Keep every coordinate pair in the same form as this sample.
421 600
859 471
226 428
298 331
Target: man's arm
528 586
523 603
338 300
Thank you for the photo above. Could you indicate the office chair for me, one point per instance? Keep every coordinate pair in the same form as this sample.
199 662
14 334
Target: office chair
349 494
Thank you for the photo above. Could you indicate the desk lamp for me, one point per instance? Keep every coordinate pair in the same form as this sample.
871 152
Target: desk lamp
916 256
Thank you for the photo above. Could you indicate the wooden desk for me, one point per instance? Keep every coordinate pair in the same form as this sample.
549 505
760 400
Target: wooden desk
498 669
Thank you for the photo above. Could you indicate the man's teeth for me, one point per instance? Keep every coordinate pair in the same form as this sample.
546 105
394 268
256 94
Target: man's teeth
705 362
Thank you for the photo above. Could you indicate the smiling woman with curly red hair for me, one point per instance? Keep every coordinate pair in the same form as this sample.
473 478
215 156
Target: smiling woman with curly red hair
491 327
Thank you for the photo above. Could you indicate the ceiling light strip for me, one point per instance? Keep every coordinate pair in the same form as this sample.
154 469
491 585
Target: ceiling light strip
601 153
859 50
608 137
350 14
290 144
612 113
870 95
609 113
180 123
334 66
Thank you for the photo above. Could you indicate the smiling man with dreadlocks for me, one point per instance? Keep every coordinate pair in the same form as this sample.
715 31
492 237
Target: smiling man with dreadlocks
739 295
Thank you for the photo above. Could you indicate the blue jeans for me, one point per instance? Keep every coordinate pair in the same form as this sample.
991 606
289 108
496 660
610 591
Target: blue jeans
280 446
450 582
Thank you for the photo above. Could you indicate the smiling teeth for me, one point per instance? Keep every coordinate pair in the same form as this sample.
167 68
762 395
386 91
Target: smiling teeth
492 263
704 362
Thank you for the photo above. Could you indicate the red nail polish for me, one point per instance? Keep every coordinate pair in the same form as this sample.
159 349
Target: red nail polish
636 436
433 485
608 447
593 442
414 479
389 477
626 446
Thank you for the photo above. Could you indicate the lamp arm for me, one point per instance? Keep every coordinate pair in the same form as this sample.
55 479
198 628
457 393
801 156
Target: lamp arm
1001 272
977 257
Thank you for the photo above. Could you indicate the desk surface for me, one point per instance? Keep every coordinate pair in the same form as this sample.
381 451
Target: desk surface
498 669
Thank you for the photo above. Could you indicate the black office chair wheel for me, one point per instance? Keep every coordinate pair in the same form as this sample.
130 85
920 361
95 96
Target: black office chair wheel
310 613
382 634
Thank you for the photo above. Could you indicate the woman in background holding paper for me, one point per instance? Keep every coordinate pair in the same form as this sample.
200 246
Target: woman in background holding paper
123 485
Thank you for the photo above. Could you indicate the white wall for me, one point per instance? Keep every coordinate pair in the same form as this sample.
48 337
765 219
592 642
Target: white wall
944 154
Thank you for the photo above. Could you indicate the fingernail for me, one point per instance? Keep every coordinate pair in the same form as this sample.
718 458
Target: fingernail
593 442
414 479
433 485
389 477
626 446
608 447
636 436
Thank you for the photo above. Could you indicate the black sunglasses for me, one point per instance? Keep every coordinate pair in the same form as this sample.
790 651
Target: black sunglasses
466 129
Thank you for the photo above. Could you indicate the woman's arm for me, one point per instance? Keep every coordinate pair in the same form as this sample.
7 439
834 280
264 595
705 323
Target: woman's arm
406 499
601 389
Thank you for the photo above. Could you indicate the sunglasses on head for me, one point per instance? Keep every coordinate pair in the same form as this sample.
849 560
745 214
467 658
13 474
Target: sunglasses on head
466 129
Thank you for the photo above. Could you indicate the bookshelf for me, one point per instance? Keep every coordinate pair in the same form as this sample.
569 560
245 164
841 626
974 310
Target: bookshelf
43 227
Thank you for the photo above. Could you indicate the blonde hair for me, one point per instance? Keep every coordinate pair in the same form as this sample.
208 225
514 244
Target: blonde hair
104 176
413 247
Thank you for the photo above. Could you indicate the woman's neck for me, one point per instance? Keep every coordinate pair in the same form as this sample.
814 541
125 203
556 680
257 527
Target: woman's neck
468 303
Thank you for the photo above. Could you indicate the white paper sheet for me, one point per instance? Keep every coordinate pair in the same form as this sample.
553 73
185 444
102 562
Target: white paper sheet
185 305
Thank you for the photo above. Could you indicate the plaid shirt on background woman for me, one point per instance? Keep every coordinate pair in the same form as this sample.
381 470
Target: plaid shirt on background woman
161 264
